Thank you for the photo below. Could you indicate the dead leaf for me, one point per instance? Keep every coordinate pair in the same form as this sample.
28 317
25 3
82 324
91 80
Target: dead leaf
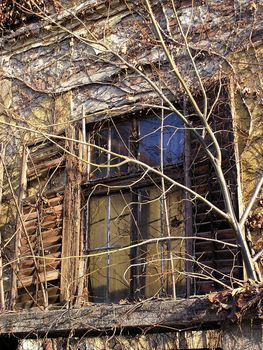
212 297
253 6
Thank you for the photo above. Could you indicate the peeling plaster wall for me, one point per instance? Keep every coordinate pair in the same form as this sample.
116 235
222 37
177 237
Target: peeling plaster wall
240 337
248 75
167 341
243 337
245 66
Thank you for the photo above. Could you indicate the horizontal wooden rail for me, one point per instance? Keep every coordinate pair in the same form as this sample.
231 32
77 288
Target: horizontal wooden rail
97 318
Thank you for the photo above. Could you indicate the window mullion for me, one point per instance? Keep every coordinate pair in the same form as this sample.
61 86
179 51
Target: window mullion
87 226
162 205
88 139
108 248
162 234
134 251
109 155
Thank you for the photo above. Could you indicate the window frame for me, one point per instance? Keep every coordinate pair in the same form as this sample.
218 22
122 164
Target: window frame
133 140
176 171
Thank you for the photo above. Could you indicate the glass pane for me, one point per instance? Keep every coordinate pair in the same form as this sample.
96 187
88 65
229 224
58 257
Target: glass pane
119 237
149 141
153 271
99 138
147 272
173 139
175 210
120 135
98 239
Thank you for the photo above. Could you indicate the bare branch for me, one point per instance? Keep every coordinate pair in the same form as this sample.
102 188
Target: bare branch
252 201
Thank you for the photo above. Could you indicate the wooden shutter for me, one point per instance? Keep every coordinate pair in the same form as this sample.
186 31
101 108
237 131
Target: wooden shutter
36 276
213 259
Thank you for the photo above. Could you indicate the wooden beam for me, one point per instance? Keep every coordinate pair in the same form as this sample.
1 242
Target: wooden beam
71 221
97 318
19 223
2 292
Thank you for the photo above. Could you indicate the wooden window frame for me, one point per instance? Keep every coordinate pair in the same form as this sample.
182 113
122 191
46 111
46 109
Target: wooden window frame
175 171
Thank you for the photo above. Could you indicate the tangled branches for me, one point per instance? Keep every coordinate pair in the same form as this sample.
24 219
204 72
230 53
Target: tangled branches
14 14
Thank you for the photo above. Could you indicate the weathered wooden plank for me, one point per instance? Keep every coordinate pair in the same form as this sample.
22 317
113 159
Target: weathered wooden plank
19 223
71 232
52 196
42 277
47 155
33 214
2 157
43 167
100 317
46 235
28 262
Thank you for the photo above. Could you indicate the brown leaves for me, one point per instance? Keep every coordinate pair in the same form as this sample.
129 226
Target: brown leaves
238 300
221 299
14 13
253 6
255 220
123 302
57 5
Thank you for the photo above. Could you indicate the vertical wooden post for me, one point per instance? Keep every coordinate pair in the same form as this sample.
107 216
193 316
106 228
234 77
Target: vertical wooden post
188 207
2 294
83 155
71 221
84 146
2 152
67 205
21 195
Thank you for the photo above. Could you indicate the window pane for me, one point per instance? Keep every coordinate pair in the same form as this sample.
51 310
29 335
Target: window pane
119 237
153 271
173 139
120 135
111 221
109 228
175 210
99 138
149 141
147 269
98 239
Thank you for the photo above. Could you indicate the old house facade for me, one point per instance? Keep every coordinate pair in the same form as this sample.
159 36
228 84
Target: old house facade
131 174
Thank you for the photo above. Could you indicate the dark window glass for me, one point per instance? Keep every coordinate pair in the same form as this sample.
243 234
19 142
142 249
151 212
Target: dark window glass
149 141
173 139
120 136
98 157
143 139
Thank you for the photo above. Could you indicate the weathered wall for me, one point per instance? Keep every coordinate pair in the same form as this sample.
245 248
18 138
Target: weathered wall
240 337
168 341
243 337
246 91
